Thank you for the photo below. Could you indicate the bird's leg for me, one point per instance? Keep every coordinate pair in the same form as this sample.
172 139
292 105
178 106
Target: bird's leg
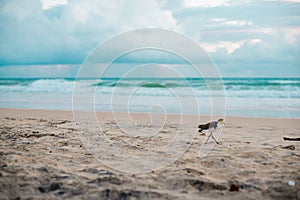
214 138
210 133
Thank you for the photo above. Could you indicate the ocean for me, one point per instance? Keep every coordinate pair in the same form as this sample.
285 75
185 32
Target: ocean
251 97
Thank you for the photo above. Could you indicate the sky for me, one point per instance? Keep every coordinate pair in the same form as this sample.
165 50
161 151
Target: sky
243 37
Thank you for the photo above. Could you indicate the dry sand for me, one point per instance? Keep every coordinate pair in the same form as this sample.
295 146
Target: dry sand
42 157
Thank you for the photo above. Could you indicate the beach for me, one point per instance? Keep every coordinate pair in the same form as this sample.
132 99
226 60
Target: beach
43 156
135 100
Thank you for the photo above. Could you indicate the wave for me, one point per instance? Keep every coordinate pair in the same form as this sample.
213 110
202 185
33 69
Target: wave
243 95
145 83
14 82
231 85
37 85
228 82
261 82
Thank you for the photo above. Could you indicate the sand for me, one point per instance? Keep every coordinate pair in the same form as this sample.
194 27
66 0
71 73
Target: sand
46 155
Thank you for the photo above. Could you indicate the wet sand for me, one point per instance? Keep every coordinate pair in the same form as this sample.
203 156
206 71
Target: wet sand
43 156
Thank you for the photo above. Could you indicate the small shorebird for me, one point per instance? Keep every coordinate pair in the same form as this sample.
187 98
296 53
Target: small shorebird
210 128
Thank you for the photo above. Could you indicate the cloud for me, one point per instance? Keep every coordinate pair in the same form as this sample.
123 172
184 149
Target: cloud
48 4
294 1
238 23
204 3
259 52
246 34
44 32
229 46
234 33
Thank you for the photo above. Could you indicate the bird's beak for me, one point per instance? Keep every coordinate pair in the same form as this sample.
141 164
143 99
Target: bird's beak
223 122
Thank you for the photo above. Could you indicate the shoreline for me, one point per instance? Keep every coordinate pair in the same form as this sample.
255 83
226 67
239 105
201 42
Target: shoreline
69 113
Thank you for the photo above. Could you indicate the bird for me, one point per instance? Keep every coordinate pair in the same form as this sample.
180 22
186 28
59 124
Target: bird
210 128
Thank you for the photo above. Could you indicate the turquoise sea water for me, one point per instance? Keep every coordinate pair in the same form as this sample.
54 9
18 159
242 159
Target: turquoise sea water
256 97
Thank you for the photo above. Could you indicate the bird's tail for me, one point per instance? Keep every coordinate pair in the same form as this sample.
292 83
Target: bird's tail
200 128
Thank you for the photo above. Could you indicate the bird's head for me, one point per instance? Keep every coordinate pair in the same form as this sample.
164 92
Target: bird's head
221 121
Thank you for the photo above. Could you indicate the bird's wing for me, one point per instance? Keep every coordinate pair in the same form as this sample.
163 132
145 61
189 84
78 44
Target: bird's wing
213 124
204 126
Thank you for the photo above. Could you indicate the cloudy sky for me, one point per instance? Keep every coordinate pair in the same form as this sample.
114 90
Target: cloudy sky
243 37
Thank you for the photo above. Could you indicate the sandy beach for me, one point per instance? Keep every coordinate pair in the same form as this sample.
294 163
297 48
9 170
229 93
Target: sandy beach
43 156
